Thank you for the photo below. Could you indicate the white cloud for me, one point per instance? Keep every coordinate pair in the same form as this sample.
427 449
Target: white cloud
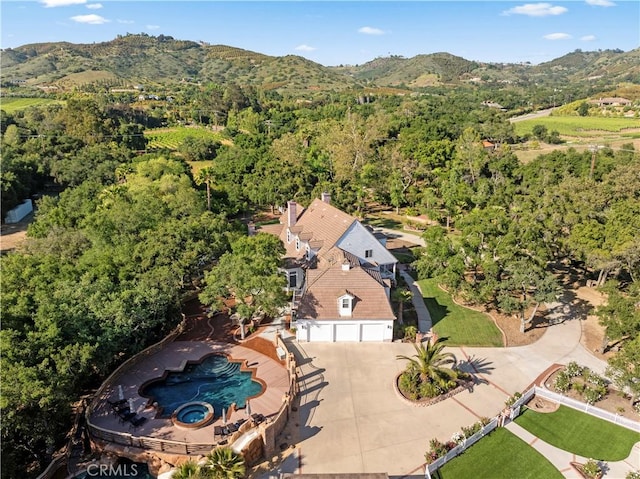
125 22
536 10
588 38
601 3
557 36
153 27
370 31
305 48
61 3
90 19
94 6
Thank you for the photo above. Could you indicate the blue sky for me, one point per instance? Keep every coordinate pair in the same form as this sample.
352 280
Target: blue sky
341 32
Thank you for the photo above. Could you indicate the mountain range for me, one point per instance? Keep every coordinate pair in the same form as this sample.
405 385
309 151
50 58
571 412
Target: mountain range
141 58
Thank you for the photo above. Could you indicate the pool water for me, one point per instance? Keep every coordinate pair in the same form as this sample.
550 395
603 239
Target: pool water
215 380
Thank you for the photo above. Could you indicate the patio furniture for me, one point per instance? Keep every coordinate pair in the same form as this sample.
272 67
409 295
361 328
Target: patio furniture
127 416
138 421
257 418
218 431
118 403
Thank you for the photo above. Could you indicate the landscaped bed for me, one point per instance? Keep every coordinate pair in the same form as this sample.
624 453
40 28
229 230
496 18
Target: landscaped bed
462 326
500 455
580 433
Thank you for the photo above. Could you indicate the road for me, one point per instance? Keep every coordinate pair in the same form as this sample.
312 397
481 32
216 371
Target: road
529 116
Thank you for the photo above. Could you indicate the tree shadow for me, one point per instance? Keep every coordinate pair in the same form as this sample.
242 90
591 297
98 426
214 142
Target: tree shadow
437 311
476 365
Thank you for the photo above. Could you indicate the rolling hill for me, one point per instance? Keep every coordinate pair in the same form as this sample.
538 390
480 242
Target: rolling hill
148 59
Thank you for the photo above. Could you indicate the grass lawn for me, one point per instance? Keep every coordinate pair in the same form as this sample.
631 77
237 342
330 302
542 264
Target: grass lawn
500 455
463 326
580 433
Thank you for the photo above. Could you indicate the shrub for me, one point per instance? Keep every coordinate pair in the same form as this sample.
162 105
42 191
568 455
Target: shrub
573 369
428 390
471 430
512 399
562 382
633 475
596 379
591 469
592 395
458 437
579 387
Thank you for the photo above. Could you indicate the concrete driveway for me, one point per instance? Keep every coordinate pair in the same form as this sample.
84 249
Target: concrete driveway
351 420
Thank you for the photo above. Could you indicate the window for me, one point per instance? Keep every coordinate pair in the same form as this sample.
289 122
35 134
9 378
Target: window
346 303
297 243
293 279
368 253
288 236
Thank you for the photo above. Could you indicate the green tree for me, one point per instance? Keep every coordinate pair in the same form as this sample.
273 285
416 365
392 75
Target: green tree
224 463
250 274
624 369
188 470
619 314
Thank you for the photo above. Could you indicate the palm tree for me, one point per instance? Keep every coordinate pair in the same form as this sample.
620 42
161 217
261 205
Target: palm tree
401 296
432 364
187 470
205 177
224 463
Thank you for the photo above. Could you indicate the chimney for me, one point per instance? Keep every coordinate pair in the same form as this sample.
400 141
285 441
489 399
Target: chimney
346 266
326 197
292 216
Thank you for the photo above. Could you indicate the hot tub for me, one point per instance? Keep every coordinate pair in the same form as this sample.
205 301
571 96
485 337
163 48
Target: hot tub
193 415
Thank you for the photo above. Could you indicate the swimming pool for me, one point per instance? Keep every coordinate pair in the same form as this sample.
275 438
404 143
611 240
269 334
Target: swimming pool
214 380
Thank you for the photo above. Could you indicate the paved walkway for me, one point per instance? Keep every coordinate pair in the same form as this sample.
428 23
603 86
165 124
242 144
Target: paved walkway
424 317
562 459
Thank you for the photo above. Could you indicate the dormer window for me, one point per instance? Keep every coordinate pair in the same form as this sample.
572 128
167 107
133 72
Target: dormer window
345 304
288 235
297 244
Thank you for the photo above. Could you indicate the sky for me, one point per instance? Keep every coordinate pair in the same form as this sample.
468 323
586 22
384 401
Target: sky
341 32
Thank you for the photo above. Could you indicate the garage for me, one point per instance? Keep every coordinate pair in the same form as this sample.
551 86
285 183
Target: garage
320 332
347 332
373 332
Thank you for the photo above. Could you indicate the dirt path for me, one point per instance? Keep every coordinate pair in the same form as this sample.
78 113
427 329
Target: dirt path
11 235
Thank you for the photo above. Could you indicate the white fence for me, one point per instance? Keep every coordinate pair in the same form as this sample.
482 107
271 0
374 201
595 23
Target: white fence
515 411
584 407
460 448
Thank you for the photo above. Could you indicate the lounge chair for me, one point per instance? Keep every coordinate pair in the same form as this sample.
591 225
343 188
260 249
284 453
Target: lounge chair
257 418
231 428
218 431
126 416
136 422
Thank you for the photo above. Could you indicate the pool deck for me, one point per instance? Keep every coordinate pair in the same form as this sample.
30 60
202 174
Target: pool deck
173 358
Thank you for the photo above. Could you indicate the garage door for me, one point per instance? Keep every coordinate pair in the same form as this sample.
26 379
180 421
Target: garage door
373 332
347 332
320 332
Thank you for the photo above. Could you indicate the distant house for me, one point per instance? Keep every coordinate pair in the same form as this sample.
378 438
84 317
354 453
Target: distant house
488 146
611 101
493 104
339 273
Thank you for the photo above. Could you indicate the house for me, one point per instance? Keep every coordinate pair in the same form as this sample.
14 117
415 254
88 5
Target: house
611 101
339 274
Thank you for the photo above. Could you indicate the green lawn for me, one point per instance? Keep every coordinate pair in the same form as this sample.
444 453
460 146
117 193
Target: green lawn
463 326
579 125
580 433
500 455
13 104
